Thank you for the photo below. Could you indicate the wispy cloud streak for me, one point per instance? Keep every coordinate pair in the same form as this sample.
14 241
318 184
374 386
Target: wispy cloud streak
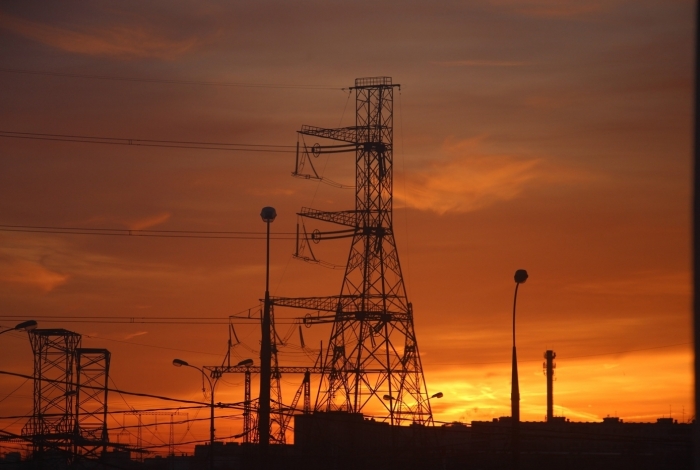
118 41
470 178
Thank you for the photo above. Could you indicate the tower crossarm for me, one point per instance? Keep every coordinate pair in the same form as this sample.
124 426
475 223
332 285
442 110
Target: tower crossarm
365 136
343 134
347 218
324 304
369 308
216 371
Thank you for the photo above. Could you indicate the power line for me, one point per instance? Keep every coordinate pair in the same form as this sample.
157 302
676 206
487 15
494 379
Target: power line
231 147
126 319
234 405
171 81
146 233
152 346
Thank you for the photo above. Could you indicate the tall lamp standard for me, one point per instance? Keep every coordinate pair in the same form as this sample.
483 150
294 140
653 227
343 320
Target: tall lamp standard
25 325
181 363
520 277
268 215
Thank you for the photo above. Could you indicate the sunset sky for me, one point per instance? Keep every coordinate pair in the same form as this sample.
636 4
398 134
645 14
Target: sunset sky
547 135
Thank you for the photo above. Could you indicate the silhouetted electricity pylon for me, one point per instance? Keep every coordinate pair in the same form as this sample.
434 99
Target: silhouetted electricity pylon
70 397
372 361
92 371
52 425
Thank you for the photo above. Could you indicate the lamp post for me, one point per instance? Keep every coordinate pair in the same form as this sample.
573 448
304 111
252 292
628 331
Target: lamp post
25 325
181 363
520 277
268 215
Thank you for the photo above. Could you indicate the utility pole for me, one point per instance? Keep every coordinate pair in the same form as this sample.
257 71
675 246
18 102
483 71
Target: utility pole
268 215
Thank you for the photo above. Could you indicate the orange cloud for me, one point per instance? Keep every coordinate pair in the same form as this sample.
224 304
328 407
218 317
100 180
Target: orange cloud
471 179
125 42
148 222
18 271
134 335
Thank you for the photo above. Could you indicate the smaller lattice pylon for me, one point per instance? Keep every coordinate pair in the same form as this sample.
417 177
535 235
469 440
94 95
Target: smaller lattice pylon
139 430
52 425
91 408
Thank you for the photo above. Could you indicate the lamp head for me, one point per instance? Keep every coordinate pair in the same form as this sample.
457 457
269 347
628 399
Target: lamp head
437 395
26 325
179 363
245 362
388 397
520 276
268 214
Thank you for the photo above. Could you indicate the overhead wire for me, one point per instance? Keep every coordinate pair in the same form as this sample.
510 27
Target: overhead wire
13 391
154 346
170 81
231 235
231 147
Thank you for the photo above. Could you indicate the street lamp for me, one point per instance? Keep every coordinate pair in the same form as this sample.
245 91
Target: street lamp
437 395
268 215
181 363
25 325
520 277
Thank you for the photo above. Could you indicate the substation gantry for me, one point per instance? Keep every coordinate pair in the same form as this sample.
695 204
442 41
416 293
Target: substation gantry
69 416
280 414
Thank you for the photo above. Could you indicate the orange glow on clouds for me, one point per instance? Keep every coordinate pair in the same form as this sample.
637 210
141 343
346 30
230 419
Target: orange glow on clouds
28 273
123 42
468 178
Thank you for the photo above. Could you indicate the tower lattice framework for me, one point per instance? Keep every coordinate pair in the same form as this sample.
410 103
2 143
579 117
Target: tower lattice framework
70 397
92 371
52 424
372 361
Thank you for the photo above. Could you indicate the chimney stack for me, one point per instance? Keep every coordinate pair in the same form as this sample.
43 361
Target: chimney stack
549 367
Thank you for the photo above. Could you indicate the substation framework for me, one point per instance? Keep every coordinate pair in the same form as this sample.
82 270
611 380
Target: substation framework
69 416
92 368
280 414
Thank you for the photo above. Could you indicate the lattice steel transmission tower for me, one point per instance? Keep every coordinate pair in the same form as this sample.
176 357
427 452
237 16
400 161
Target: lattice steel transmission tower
52 424
70 397
372 361
92 370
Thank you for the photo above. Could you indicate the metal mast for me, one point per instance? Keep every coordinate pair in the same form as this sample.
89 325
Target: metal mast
372 361
91 406
52 424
